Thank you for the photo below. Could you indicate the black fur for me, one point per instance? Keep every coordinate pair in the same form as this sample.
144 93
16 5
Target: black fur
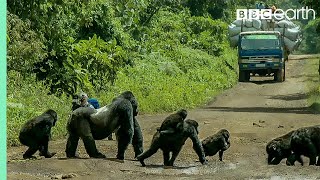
306 141
173 143
36 134
170 123
279 148
90 124
218 142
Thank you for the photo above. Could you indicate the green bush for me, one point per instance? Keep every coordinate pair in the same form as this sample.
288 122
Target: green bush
164 84
24 46
27 98
311 42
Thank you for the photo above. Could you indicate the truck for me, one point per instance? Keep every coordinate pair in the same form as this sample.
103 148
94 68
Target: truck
261 53
263 46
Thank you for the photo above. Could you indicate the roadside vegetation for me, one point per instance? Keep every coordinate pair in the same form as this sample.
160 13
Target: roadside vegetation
313 80
170 54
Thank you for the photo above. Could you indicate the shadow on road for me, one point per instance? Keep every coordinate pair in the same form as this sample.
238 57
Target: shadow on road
309 76
290 97
296 110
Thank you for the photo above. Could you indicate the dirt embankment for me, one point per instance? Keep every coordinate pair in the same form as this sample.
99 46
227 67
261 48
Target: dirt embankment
253 112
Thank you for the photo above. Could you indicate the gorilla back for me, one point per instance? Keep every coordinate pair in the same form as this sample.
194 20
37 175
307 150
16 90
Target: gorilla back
172 143
90 124
279 148
306 141
36 134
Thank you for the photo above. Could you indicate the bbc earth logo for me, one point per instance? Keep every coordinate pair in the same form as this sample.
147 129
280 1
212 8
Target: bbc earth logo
278 14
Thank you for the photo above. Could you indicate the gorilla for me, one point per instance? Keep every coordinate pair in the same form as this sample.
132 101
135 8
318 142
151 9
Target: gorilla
170 123
306 141
217 142
36 134
174 142
95 124
280 148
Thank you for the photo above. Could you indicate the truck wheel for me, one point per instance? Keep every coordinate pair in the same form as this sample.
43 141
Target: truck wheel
244 76
280 75
247 75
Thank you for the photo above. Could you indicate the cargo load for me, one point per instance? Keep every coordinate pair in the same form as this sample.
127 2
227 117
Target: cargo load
290 31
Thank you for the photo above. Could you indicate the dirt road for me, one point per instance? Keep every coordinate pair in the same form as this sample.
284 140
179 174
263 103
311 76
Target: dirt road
253 112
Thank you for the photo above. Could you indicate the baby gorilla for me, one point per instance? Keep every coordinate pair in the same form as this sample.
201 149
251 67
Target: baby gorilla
170 123
36 134
174 142
280 148
305 141
217 142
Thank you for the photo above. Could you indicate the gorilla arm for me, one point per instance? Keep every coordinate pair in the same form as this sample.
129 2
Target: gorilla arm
197 146
137 140
225 146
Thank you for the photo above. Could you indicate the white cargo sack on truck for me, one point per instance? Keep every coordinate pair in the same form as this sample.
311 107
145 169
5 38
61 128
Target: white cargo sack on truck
234 30
237 22
285 24
234 41
248 23
256 23
292 33
290 44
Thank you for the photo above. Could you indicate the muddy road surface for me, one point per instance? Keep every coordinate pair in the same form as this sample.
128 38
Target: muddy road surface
253 112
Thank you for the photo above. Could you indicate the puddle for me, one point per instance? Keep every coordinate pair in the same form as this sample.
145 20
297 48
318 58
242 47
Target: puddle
193 169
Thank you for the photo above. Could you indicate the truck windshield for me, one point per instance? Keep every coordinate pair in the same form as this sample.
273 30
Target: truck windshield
260 41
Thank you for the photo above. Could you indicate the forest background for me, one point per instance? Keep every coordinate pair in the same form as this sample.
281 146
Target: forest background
170 53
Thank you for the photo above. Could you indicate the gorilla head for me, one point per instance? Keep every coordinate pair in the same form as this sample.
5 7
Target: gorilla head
129 96
53 114
275 152
193 123
182 113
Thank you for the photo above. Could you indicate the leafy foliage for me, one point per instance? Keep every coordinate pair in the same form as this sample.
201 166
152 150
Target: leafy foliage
161 50
88 60
312 37
25 47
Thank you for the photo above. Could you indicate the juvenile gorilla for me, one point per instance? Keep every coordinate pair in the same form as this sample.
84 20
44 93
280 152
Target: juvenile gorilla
306 141
90 124
170 123
36 134
217 142
173 143
280 148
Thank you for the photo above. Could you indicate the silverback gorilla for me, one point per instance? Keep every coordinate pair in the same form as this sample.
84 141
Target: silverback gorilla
306 141
90 124
217 142
36 134
173 143
279 148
